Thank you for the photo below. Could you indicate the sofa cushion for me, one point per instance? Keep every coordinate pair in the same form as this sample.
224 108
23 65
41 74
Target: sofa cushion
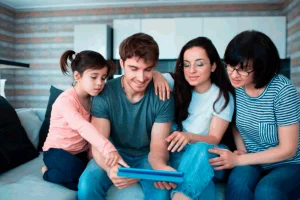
15 147
54 93
31 123
26 182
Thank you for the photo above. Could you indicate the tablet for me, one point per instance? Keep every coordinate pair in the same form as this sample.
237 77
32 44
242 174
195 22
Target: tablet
154 175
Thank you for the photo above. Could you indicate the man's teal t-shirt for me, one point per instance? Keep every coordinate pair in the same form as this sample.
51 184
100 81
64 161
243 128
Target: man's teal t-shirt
131 123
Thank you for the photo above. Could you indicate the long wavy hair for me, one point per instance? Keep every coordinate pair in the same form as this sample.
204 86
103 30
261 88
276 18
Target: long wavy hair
183 90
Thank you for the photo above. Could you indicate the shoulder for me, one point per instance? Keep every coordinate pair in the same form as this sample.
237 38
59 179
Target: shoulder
151 94
68 97
222 100
279 81
111 87
214 92
280 85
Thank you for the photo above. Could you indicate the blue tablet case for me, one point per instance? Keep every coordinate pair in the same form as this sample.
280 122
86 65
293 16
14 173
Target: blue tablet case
155 175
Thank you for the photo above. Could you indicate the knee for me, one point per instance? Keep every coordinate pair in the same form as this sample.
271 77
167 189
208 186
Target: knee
268 191
76 170
87 181
237 183
157 194
199 148
84 187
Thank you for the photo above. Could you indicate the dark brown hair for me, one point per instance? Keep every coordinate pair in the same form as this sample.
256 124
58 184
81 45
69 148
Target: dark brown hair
183 90
140 45
85 60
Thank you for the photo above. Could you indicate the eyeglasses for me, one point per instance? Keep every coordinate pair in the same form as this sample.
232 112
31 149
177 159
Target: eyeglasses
241 72
197 64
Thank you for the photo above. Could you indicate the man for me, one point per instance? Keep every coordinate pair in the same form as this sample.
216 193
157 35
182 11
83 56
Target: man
129 112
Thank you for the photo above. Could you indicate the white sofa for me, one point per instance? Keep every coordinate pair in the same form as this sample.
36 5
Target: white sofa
25 182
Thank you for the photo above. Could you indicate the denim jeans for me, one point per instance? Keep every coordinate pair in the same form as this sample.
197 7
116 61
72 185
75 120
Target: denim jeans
253 182
94 181
63 167
198 173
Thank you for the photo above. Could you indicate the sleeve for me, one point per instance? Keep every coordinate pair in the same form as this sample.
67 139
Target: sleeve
166 111
99 107
76 121
170 80
227 112
287 106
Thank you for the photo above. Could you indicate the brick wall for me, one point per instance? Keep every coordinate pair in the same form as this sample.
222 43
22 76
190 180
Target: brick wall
41 37
7 31
292 11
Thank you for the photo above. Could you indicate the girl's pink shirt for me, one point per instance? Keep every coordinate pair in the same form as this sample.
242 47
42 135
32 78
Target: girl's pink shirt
70 128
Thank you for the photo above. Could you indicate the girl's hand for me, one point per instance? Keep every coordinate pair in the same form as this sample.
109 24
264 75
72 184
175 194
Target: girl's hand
226 159
161 86
179 139
113 158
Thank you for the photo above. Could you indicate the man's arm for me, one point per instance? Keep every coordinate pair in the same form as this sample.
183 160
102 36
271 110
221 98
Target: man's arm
103 126
159 155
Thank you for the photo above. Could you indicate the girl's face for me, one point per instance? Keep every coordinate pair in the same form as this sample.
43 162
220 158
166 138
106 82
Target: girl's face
239 77
197 67
92 81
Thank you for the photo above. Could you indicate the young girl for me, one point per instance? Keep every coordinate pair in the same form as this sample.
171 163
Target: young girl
204 109
70 132
267 163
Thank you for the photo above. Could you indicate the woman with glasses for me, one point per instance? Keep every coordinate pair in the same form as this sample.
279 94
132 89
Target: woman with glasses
266 164
204 109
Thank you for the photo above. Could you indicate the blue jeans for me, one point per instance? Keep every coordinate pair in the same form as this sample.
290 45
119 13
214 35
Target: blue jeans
94 181
198 173
253 182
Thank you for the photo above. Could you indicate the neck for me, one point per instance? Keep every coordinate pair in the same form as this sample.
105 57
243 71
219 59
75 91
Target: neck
130 93
203 87
252 91
81 94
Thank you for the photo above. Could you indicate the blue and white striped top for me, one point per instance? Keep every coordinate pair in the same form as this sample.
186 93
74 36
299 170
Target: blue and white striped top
257 118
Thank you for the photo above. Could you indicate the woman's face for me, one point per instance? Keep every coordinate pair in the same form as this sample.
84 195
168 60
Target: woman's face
239 77
197 67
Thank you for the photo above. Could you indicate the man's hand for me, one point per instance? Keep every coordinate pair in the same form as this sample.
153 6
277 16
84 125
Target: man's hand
120 182
165 185
113 158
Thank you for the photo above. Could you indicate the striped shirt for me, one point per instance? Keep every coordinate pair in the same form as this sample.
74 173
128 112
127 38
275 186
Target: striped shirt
257 118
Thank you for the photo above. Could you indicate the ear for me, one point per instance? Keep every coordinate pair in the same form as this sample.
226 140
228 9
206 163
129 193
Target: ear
76 76
213 67
122 63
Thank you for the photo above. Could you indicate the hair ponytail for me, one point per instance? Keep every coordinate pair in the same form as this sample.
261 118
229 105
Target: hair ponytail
85 60
64 60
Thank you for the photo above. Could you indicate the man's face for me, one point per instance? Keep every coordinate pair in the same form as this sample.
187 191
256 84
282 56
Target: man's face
137 73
